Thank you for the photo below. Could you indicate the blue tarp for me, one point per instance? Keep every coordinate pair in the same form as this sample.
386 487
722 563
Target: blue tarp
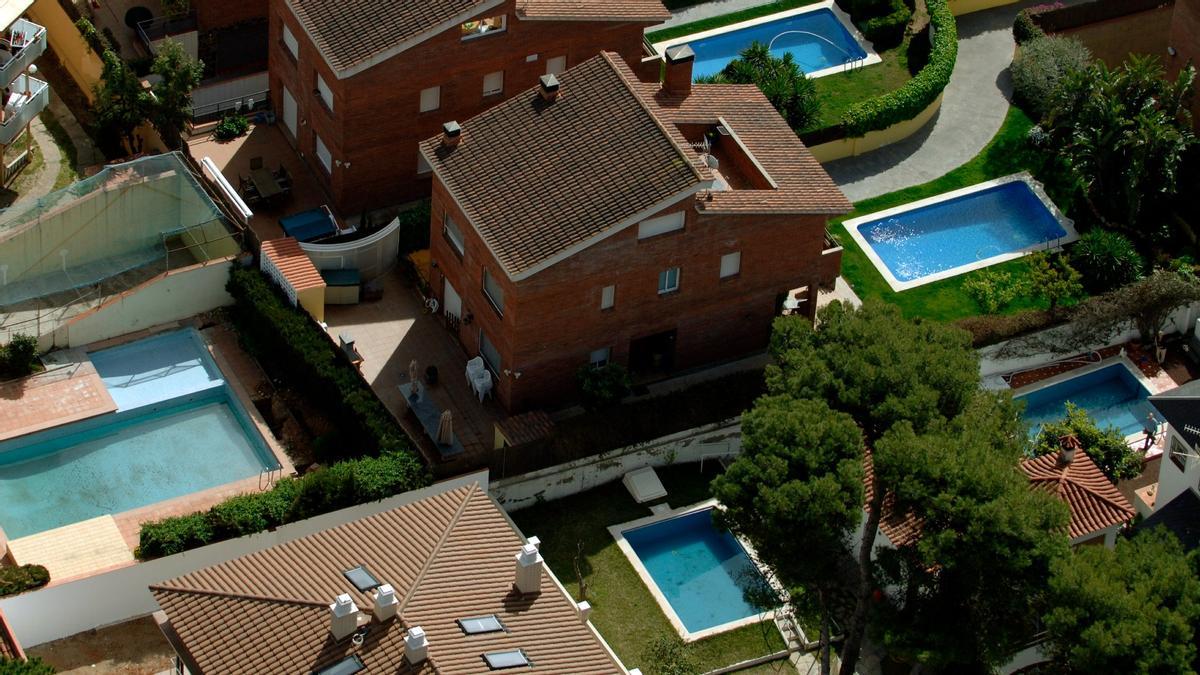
343 277
309 225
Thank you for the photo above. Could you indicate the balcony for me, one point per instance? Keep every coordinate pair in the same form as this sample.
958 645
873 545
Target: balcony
24 42
29 97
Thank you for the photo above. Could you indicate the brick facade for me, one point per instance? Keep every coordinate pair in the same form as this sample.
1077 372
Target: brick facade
213 14
373 130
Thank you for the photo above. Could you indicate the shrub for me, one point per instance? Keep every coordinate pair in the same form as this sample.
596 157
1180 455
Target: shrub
779 79
990 329
414 228
34 666
1025 28
1053 279
992 290
887 30
1040 68
918 93
174 534
231 126
1107 260
19 357
96 41
1106 447
602 386
15 580
666 655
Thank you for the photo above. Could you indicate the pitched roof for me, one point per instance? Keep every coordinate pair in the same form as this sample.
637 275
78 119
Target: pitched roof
540 180
1094 501
593 10
293 263
537 178
902 528
1181 409
1181 516
448 556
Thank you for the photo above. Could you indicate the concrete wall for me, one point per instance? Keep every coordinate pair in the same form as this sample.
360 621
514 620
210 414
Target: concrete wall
170 296
58 611
68 45
849 147
371 256
1173 481
710 442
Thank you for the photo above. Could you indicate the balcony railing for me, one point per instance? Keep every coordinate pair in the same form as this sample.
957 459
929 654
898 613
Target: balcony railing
22 107
153 30
832 245
25 41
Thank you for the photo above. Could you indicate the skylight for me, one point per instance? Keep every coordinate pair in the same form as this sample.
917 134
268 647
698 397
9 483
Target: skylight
347 666
362 578
510 658
481 624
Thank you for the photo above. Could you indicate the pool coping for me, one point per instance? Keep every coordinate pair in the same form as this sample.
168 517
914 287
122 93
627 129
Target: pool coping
871 59
897 285
618 533
1121 358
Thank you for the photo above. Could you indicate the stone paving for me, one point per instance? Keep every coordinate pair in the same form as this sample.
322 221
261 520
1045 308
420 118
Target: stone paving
58 396
74 550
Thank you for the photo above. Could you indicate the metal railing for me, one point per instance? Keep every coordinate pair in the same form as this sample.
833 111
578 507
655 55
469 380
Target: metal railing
259 100
16 120
153 30
26 50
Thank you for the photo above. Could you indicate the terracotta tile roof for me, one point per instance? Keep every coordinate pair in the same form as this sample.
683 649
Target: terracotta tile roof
9 647
538 178
1094 501
594 10
526 427
349 33
293 263
902 528
448 556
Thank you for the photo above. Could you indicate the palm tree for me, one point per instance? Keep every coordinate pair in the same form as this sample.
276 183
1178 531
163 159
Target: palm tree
780 80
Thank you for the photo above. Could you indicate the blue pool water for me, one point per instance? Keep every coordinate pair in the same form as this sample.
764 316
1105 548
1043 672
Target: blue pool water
191 435
700 569
1111 395
811 53
960 231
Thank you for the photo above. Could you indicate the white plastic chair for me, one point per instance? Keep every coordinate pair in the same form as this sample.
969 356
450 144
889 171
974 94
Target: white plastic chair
482 384
474 367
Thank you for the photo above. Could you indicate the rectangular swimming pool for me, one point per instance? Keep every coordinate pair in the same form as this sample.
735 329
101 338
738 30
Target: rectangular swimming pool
179 429
698 569
959 231
1111 394
815 36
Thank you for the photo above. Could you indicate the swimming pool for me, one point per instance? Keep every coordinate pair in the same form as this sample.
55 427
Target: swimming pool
819 37
696 571
179 429
959 231
1110 393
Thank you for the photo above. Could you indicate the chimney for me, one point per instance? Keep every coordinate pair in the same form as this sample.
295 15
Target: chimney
1069 444
529 570
384 604
416 646
343 617
534 542
451 134
678 80
549 87
585 610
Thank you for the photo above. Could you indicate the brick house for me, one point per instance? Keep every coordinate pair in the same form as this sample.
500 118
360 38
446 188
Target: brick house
598 218
358 84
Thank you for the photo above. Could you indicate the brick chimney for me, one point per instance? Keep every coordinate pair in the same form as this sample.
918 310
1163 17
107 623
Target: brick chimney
678 80
548 87
451 134
1069 444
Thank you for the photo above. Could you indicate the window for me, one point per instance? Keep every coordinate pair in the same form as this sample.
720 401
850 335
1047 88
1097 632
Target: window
599 358
481 624
668 280
454 236
493 83
323 155
324 92
660 225
289 41
488 26
1179 453
493 292
488 351
556 65
731 264
431 99
608 297
511 658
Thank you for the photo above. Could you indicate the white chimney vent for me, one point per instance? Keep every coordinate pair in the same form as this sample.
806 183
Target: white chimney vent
416 646
344 617
384 604
585 610
534 542
529 570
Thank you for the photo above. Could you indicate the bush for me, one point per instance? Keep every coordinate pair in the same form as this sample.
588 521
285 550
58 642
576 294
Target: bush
666 655
1107 261
887 30
15 580
19 357
918 93
988 330
779 79
992 290
601 387
172 535
1039 69
1106 447
414 228
34 666
1025 28
231 126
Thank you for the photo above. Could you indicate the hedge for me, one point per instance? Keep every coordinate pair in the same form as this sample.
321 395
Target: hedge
918 93
344 484
34 666
15 580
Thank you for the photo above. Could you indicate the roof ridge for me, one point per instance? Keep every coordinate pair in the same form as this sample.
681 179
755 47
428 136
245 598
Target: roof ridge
416 584
1097 493
236 596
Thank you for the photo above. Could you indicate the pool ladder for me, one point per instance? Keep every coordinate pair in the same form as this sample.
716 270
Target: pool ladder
267 478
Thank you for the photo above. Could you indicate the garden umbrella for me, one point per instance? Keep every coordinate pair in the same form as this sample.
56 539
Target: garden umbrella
445 431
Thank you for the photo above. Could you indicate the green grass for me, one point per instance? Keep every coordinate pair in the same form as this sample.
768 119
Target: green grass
625 612
842 90
68 170
724 19
945 300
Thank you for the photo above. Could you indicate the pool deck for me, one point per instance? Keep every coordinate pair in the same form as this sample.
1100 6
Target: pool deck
74 550
67 392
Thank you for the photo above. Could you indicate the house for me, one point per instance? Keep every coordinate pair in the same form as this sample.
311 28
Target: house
444 584
1098 509
357 85
600 219
1176 499
25 97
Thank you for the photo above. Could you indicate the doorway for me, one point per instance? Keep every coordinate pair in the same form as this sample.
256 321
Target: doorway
653 354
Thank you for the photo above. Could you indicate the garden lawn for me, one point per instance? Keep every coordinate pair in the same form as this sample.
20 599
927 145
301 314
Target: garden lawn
945 300
840 91
625 613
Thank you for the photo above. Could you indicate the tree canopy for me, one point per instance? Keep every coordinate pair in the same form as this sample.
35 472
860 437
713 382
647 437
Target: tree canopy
180 74
780 79
121 106
1106 447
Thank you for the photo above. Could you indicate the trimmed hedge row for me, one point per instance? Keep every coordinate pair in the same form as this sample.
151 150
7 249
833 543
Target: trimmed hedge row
918 93
15 580
336 487
888 29
34 666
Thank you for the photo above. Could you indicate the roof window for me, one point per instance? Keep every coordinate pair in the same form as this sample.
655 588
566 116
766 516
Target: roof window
347 666
481 624
509 658
362 578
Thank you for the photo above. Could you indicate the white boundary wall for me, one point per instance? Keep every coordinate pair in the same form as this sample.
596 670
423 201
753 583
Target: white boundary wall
371 256
61 610
710 442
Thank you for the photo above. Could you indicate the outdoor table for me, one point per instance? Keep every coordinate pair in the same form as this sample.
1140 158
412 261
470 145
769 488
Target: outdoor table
264 181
